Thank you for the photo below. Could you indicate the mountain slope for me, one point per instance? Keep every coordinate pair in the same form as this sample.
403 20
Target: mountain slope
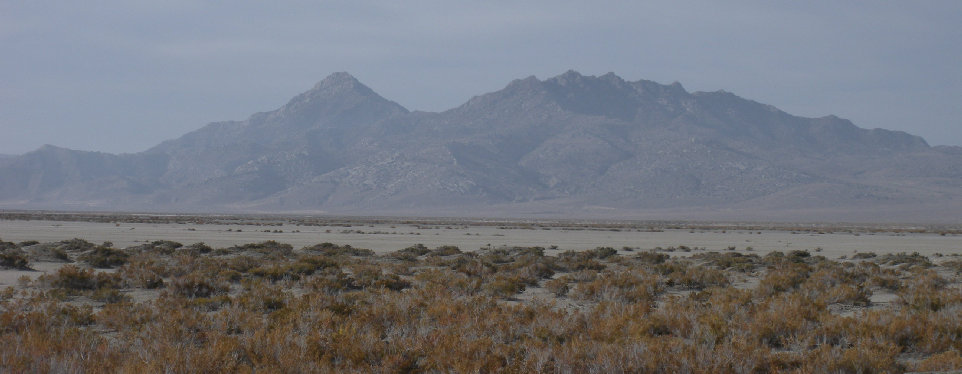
567 145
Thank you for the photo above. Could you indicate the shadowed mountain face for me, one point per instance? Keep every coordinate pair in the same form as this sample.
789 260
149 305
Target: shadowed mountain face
571 145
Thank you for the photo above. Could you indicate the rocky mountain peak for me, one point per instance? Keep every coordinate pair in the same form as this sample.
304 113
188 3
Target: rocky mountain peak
608 95
613 78
529 83
340 98
568 78
340 82
519 91
561 144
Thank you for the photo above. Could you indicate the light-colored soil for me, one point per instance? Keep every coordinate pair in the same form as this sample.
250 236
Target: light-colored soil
11 277
384 238
649 296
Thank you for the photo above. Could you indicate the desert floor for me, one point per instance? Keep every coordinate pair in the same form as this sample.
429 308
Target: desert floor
833 242
732 297
387 237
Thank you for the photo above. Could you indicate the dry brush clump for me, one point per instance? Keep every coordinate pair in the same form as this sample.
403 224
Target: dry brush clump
334 308
104 257
14 260
75 278
12 255
331 249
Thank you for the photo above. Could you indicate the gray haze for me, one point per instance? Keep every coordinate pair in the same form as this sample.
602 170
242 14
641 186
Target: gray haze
567 146
120 76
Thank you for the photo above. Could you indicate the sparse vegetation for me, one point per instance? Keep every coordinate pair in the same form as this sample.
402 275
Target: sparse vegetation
104 257
335 308
330 249
14 260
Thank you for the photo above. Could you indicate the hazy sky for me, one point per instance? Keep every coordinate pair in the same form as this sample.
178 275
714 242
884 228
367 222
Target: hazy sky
121 76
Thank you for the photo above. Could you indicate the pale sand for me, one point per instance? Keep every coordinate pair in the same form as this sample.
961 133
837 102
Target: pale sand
387 237
11 277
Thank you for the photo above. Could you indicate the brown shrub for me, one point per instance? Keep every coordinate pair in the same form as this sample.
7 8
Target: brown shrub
731 260
446 250
372 277
194 286
269 248
330 249
623 287
143 273
105 257
905 260
75 278
652 257
12 260
944 361
782 278
504 286
694 278
341 314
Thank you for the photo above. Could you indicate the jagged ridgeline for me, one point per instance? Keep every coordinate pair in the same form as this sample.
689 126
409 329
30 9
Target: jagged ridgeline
566 146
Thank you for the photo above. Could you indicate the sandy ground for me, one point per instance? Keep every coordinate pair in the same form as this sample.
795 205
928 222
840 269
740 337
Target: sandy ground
390 237
11 277
384 238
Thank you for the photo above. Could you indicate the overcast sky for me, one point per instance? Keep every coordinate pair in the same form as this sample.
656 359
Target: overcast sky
121 76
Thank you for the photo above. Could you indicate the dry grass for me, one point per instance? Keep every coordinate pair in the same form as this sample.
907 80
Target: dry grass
334 308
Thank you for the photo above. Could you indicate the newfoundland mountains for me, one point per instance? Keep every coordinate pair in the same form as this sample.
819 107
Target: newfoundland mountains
571 146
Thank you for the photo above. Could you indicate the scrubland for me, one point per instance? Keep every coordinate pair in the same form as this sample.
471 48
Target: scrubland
269 307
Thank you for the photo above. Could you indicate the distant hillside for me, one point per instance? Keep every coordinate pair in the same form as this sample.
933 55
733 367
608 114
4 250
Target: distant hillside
567 146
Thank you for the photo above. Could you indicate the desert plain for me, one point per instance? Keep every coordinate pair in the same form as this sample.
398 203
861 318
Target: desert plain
111 292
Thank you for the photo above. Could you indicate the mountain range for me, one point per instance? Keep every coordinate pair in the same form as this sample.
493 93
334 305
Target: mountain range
571 146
